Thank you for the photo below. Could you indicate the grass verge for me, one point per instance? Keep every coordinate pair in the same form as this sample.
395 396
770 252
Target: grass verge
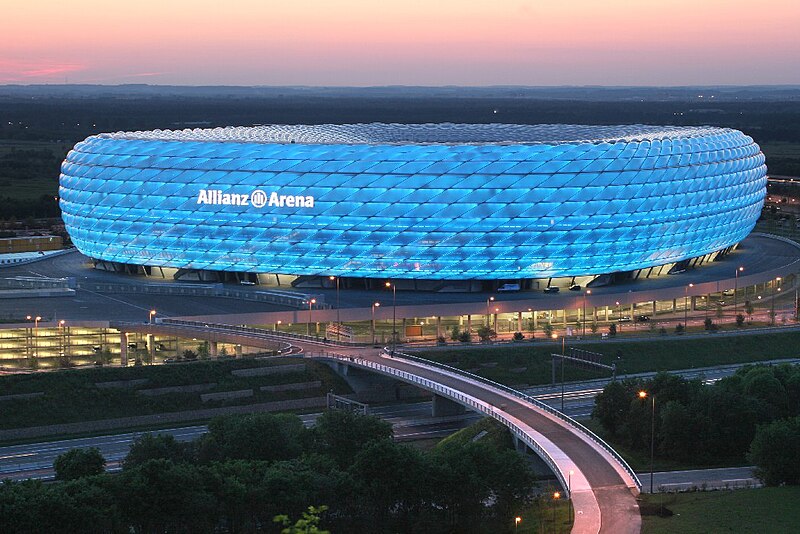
530 364
761 510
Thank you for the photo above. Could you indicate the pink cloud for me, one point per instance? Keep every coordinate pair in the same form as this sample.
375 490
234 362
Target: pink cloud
13 71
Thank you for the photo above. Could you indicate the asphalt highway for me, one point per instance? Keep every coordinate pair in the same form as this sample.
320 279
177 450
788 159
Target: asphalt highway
35 460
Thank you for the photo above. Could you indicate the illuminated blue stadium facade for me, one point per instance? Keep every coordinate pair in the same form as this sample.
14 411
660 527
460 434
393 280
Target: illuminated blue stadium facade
444 201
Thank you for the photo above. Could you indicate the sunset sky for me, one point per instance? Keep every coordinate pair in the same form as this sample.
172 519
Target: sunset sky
400 42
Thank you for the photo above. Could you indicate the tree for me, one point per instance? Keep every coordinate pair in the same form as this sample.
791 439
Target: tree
748 309
518 336
308 524
203 350
775 450
486 334
611 406
594 327
258 436
454 333
708 323
739 320
548 330
79 463
679 328
341 434
465 337
157 446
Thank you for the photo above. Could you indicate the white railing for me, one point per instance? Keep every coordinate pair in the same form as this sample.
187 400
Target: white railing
456 395
537 403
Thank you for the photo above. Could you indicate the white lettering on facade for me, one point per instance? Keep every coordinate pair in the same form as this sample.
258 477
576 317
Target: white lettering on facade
257 199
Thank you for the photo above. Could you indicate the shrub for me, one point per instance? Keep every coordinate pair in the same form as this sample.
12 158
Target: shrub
679 328
612 330
739 320
465 337
79 463
518 336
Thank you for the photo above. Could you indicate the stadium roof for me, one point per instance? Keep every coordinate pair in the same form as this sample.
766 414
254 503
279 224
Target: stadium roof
445 133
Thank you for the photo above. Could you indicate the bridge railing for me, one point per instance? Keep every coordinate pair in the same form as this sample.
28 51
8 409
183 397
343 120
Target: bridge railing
456 395
261 331
281 346
539 404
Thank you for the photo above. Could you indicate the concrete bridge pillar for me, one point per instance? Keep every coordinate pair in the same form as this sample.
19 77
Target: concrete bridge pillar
443 407
519 321
469 323
654 310
123 349
535 320
438 327
238 351
212 349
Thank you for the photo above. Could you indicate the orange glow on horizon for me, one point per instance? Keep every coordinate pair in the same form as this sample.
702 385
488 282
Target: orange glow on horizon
355 42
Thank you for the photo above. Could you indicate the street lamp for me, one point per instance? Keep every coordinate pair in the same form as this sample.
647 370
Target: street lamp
36 335
62 325
338 321
374 305
488 314
619 316
496 311
394 314
152 314
556 496
308 324
686 306
563 353
569 490
736 288
588 292
643 396
774 290
517 521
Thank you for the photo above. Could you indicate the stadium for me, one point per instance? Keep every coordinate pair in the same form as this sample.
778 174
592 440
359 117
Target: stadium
484 202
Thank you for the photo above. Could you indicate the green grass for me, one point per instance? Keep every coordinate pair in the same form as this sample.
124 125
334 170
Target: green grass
782 158
527 364
71 396
761 511
497 435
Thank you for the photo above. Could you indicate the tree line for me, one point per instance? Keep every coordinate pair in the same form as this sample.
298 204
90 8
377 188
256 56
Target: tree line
249 469
729 421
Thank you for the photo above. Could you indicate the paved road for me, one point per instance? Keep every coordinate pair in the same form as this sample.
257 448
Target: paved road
35 460
757 254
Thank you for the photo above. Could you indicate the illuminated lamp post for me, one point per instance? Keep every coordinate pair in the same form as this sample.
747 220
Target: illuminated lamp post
308 324
394 314
774 290
338 320
643 396
151 315
736 288
36 334
488 313
588 292
686 306
517 521
374 305
556 496
62 326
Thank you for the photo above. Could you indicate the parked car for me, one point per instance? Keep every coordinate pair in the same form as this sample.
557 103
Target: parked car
575 287
247 283
643 318
551 289
509 287
624 319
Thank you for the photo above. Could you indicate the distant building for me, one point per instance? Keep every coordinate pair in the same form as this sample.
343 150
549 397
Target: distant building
430 201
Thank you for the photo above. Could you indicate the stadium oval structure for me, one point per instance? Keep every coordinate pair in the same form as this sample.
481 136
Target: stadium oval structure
431 201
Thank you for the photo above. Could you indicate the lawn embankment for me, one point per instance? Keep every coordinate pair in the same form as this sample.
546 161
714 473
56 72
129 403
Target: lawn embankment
529 364
757 511
81 395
